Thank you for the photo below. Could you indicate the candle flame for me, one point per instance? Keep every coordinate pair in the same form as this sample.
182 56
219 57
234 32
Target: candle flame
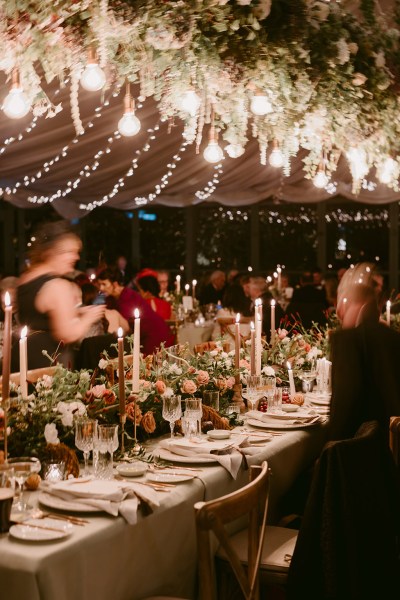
388 304
273 303
24 332
194 282
120 332
252 326
238 318
136 313
187 286
289 366
7 299
178 278
279 270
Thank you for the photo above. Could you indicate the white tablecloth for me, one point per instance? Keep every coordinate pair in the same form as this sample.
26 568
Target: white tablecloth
192 334
111 560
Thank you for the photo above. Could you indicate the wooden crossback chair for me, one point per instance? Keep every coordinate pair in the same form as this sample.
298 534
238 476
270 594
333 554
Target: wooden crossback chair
256 551
32 375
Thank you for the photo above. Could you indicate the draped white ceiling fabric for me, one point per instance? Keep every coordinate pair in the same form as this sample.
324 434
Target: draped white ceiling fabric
49 162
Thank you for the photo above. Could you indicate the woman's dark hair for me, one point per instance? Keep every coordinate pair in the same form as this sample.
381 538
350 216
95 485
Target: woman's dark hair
235 299
46 236
148 283
89 293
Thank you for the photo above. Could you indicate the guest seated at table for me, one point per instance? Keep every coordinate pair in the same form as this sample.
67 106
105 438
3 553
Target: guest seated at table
153 329
365 357
213 292
163 281
149 289
112 319
308 303
47 301
232 304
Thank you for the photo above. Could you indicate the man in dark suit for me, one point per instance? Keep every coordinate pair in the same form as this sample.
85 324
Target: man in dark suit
308 303
365 357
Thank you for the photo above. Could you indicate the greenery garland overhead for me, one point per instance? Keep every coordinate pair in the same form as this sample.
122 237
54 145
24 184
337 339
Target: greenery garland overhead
331 76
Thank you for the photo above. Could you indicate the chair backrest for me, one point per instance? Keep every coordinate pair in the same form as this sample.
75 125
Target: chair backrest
204 347
215 515
32 375
353 510
394 439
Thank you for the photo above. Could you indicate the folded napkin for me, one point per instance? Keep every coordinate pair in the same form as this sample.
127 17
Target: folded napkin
112 497
290 418
226 454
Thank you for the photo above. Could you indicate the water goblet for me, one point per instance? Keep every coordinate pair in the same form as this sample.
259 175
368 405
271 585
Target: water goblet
307 375
192 417
172 410
85 431
269 386
106 443
254 390
23 466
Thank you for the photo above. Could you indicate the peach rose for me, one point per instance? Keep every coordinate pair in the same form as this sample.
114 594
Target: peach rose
307 347
202 377
148 422
221 384
244 364
98 390
282 333
160 387
132 415
109 397
188 386
230 382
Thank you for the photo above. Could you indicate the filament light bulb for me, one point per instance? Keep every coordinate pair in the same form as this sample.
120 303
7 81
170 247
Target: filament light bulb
16 104
321 179
260 105
276 158
93 77
190 102
129 124
213 152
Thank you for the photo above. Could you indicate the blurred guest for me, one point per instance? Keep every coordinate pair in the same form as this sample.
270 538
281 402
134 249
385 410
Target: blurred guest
153 329
331 286
318 279
163 282
149 289
232 304
308 304
365 357
112 319
124 268
213 292
47 302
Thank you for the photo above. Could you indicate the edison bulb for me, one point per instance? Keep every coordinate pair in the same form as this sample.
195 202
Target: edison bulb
16 104
93 78
213 153
321 179
387 171
190 102
276 158
234 150
129 124
260 105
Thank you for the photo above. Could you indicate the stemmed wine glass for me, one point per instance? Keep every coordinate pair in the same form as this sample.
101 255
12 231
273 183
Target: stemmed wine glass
106 444
23 466
308 374
85 431
172 410
254 390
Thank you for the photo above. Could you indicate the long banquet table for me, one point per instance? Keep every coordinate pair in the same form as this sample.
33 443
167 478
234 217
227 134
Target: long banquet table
109 559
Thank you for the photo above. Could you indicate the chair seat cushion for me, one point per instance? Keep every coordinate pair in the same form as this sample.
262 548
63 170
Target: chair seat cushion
279 543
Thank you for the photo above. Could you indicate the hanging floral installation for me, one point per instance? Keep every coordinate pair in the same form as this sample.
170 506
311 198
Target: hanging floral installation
294 74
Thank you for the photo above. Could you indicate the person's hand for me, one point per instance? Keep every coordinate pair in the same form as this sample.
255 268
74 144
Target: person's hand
94 313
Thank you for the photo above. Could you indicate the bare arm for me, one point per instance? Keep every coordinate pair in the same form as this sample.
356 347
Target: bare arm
57 298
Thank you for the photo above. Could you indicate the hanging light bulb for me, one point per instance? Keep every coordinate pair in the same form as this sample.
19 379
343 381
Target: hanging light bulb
190 102
129 124
321 179
93 77
260 104
213 153
276 156
388 170
16 104
234 150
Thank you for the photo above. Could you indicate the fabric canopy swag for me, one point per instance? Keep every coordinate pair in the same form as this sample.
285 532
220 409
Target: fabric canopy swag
125 104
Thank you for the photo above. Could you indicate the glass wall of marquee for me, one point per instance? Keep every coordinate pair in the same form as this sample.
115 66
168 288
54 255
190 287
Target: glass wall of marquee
200 238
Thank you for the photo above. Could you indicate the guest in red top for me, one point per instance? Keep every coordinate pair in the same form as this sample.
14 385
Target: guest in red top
153 329
149 288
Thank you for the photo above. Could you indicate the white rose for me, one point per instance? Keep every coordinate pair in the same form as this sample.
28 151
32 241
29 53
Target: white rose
103 363
67 419
168 392
84 377
213 352
51 434
268 371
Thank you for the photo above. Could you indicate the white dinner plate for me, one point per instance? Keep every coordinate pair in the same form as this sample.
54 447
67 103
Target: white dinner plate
58 504
169 477
219 434
300 414
28 533
171 457
278 424
131 470
318 399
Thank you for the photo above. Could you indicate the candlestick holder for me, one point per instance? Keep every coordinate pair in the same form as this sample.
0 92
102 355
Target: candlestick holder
122 420
237 397
5 405
136 447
